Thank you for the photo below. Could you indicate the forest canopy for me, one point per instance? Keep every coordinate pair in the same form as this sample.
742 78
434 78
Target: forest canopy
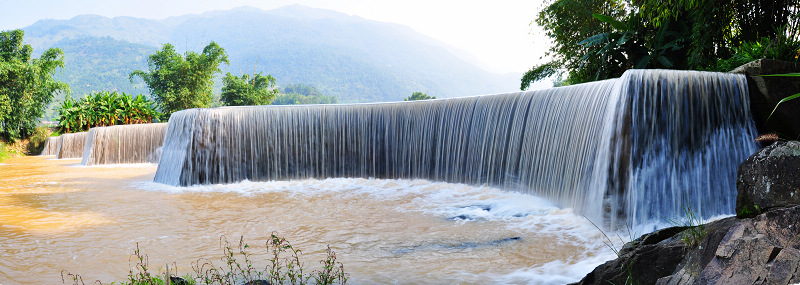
600 39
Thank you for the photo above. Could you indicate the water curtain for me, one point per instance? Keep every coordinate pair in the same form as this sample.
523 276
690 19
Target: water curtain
641 146
71 145
50 146
137 143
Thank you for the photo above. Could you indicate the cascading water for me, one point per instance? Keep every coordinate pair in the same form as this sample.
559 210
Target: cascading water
71 145
680 137
123 144
50 146
641 145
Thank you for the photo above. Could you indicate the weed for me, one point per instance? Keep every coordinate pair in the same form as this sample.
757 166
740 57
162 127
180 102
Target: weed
696 231
237 268
629 279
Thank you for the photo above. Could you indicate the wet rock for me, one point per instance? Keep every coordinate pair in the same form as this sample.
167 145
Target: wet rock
767 91
760 250
768 179
643 261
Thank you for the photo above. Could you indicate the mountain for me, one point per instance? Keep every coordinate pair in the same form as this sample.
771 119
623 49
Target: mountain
354 59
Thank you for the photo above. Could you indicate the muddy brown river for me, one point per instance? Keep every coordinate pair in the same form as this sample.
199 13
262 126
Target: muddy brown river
57 216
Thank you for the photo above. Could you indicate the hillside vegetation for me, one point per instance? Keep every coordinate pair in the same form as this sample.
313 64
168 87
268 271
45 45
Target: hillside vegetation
348 57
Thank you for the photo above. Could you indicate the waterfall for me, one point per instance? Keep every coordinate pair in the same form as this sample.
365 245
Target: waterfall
50 146
71 145
640 145
683 135
123 144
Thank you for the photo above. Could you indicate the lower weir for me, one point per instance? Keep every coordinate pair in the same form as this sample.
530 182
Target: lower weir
642 147
71 145
137 143
50 146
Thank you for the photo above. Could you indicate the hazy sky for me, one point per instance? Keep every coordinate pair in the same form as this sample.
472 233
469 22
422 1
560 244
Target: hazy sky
498 32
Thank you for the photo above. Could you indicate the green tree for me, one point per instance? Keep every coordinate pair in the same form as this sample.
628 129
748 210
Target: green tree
297 94
182 82
599 39
418 96
242 91
26 84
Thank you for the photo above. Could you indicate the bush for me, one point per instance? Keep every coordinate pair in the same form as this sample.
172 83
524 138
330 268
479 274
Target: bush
780 48
36 140
104 109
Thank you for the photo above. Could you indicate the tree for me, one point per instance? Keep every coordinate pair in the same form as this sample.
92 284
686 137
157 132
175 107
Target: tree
182 82
599 39
297 94
418 96
26 84
241 91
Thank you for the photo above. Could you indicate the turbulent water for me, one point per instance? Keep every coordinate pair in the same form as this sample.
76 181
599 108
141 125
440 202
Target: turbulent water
648 145
58 215
137 143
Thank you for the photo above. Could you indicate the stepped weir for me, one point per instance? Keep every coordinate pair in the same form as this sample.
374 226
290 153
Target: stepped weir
136 143
643 146
71 145
50 146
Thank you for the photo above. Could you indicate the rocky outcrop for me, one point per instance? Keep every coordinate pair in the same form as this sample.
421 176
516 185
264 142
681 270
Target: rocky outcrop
760 250
766 92
768 179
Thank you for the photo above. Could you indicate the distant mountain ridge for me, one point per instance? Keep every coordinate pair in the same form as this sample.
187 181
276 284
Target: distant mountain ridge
354 59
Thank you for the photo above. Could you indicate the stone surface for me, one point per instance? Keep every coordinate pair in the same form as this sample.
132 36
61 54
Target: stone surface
766 92
760 250
768 179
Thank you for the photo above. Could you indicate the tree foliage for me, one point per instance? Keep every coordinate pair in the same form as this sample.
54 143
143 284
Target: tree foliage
182 82
599 39
418 96
299 94
244 90
26 84
104 109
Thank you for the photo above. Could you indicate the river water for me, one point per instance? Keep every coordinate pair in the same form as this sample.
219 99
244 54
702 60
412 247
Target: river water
56 215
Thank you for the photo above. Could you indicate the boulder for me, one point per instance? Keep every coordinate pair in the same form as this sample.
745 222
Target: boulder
769 179
760 250
766 92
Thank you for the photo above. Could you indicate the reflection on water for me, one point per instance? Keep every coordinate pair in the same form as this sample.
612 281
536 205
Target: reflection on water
56 215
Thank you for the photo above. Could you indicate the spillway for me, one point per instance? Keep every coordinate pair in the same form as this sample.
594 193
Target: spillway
642 147
50 146
71 145
136 143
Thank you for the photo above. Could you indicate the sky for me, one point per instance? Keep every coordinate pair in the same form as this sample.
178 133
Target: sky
498 32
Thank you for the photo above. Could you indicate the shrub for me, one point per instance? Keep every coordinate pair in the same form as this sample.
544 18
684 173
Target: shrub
104 109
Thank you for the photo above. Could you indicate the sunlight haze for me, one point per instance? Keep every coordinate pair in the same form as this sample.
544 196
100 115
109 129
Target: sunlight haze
498 33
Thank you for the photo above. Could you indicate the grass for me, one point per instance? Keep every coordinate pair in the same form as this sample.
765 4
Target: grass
629 279
3 152
236 267
696 231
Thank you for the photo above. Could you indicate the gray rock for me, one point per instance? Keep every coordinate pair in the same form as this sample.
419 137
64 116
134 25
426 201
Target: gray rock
760 250
768 179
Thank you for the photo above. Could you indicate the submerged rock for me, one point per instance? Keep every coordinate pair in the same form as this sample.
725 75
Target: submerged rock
769 179
760 250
